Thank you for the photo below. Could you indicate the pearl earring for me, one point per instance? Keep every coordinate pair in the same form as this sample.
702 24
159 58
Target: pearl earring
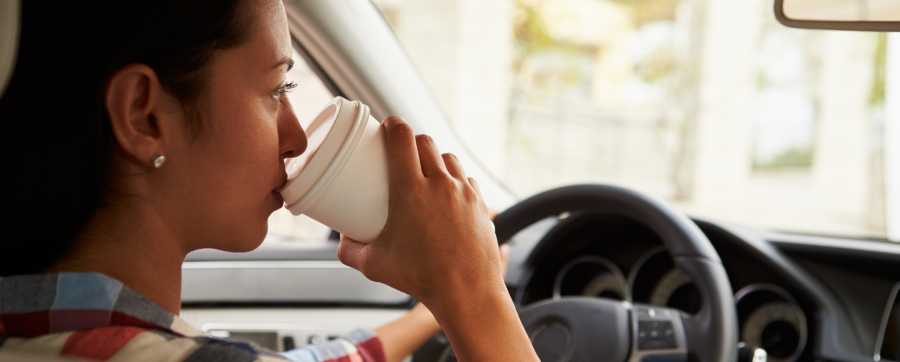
158 161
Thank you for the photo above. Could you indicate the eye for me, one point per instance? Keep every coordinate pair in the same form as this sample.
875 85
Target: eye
284 89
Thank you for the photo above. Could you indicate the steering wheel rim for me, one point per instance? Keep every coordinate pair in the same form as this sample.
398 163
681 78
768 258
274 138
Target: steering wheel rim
709 336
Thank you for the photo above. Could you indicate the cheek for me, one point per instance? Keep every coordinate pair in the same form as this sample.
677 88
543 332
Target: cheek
234 173
245 132
247 149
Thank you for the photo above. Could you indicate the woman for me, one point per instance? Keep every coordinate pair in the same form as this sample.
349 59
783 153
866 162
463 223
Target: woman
164 131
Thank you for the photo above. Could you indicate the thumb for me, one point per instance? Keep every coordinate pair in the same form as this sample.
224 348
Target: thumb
352 253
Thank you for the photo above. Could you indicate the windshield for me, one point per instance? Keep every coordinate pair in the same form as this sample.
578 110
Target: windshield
711 105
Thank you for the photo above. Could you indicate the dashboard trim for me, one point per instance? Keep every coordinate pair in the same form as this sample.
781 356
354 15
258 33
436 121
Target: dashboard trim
268 264
743 292
868 247
282 281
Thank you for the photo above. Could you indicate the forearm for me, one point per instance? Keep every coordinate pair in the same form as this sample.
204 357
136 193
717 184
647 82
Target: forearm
403 336
486 328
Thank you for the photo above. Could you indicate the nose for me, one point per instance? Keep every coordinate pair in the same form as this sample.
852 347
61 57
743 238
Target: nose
291 137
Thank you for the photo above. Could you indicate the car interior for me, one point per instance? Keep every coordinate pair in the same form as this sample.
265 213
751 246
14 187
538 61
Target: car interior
599 271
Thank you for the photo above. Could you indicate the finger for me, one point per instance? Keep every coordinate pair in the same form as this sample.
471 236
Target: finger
454 166
402 155
432 163
481 200
352 253
475 185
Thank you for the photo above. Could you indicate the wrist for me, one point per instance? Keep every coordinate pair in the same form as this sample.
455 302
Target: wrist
472 303
462 295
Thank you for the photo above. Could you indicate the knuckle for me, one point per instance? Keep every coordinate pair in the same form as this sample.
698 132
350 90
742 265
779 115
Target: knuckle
343 256
470 193
367 270
445 184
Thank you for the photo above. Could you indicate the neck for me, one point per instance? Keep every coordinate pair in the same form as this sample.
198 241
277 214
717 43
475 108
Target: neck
132 243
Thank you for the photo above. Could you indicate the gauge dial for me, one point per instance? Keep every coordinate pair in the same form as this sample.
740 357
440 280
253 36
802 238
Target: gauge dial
772 320
655 280
591 276
779 328
675 290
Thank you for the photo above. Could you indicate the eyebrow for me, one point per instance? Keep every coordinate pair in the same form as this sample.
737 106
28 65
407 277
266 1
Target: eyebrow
283 61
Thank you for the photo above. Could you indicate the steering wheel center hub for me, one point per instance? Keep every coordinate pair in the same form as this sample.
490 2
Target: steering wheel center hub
579 329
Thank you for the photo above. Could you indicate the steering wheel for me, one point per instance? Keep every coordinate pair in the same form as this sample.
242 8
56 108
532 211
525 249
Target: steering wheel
593 329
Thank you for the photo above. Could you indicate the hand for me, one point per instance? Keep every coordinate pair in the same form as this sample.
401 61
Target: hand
438 244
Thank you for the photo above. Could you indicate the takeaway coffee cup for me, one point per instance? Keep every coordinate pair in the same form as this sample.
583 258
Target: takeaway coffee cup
341 180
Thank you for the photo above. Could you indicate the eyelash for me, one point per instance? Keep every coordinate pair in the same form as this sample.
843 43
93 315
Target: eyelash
285 89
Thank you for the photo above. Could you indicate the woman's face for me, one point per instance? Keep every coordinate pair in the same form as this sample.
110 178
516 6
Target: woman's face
225 180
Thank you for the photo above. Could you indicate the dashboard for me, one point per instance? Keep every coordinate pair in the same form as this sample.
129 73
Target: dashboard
770 316
615 258
800 297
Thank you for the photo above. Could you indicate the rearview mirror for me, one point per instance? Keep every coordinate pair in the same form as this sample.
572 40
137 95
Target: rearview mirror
865 15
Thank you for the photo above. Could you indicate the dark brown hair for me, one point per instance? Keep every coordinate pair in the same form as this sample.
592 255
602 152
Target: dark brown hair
61 139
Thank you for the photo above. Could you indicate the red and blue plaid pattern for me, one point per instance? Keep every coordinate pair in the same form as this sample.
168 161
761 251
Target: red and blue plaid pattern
95 317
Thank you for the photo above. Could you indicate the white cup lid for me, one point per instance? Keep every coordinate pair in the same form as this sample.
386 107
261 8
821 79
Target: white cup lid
326 135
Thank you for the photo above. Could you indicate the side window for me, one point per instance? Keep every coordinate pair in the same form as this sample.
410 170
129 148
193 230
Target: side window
307 99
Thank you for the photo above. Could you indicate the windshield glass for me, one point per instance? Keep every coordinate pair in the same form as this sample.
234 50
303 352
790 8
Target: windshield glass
711 105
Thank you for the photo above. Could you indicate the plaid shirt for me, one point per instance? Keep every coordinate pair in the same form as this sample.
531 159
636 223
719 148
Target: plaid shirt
95 317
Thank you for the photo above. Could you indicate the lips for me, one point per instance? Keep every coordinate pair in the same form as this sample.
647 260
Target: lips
276 192
281 184
278 197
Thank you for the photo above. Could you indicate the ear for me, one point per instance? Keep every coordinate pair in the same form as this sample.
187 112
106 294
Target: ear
133 97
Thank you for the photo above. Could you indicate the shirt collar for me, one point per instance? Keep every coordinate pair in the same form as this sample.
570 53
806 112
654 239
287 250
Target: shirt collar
38 304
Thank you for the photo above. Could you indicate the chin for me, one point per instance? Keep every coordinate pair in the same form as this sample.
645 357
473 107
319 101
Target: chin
244 246
252 239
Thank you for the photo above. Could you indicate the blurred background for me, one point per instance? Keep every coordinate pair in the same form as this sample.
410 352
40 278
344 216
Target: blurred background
711 105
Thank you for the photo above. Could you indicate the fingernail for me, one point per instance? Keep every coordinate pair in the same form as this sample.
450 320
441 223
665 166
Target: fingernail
424 138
